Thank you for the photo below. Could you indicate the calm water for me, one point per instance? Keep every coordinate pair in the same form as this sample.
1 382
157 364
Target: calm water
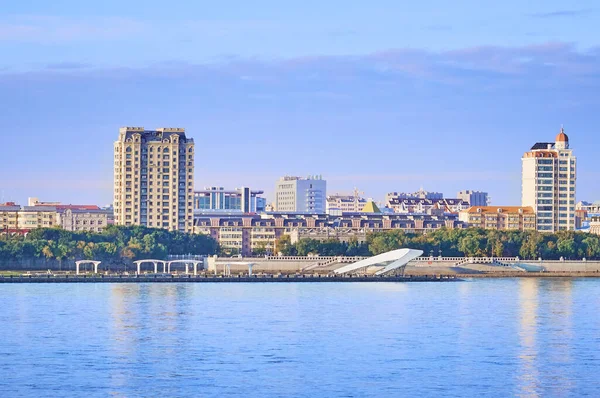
513 337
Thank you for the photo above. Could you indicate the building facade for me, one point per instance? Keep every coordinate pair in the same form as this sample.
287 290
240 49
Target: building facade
338 204
420 194
549 178
425 206
154 178
474 198
595 225
218 199
499 218
246 233
301 195
81 218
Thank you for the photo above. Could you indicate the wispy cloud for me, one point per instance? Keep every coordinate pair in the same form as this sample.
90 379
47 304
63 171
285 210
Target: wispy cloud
561 13
55 29
67 66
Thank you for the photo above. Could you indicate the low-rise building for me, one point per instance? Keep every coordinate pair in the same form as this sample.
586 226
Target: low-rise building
595 225
9 217
82 218
420 194
33 217
425 206
338 204
245 233
500 218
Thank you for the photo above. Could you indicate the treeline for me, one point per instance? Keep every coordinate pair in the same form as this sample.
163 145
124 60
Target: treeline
470 242
114 245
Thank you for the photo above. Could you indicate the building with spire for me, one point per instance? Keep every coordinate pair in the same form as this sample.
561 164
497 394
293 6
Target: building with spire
549 178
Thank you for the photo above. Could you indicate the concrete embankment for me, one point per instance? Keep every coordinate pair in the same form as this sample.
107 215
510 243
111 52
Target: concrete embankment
219 279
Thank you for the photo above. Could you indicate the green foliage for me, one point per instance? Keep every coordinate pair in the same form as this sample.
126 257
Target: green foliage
470 242
114 244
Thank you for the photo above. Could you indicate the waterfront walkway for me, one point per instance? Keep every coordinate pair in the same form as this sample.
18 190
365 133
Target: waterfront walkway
217 279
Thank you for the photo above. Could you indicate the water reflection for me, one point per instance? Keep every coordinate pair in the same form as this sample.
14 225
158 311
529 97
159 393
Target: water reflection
559 340
528 379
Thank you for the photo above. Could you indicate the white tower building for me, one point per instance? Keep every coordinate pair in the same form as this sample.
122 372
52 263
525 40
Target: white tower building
549 184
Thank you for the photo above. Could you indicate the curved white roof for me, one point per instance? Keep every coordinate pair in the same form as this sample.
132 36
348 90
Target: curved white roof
397 258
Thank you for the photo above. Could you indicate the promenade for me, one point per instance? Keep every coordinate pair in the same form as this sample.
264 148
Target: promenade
149 278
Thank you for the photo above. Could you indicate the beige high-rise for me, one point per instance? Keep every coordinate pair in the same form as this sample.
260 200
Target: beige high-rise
154 178
549 184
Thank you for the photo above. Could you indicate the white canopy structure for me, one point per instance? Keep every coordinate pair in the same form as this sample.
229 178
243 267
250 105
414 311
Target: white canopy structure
392 260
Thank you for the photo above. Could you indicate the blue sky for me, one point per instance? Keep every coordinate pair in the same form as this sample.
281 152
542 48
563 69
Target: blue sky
383 96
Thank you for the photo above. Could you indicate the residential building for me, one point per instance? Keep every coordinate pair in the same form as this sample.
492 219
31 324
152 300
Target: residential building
76 217
474 198
9 217
425 206
82 218
595 225
219 199
33 217
499 218
549 184
154 178
590 208
301 195
338 204
246 232
420 194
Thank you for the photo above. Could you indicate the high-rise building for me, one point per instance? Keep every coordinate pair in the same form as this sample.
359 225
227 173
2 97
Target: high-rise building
301 195
474 198
219 199
549 184
154 178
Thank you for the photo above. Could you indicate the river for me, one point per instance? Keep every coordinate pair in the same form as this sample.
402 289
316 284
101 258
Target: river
524 337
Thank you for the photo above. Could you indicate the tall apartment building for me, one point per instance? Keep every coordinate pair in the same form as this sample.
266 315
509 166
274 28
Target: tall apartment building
301 195
474 198
549 184
154 178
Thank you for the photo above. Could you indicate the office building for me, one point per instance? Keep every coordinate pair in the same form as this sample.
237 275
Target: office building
301 195
499 218
219 199
474 198
154 178
549 184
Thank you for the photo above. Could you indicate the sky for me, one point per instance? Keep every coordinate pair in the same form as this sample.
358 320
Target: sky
382 96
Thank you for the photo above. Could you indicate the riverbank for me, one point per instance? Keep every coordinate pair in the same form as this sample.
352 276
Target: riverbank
218 279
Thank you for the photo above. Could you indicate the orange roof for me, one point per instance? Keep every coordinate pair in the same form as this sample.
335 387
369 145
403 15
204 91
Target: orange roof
562 137
499 209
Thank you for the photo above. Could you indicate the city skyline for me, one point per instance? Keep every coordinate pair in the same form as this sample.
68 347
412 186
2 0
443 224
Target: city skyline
423 100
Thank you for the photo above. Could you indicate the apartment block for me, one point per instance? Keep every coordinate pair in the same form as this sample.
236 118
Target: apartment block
499 218
154 178
549 184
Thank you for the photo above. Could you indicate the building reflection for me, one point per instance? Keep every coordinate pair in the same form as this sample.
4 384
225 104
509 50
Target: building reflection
529 375
559 341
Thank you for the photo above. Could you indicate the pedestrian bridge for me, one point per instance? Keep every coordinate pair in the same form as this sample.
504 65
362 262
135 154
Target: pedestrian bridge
390 261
